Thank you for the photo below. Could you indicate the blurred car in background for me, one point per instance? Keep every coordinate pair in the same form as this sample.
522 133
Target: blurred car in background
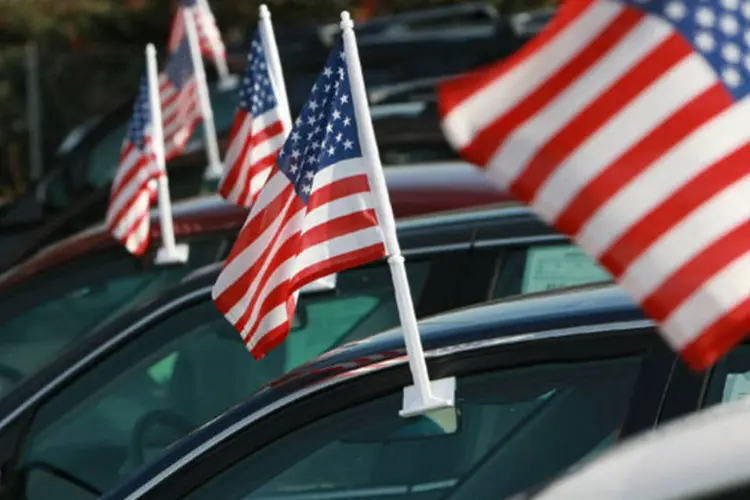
542 382
130 388
89 279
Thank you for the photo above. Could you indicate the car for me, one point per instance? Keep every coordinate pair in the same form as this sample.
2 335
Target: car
176 362
704 456
543 381
90 278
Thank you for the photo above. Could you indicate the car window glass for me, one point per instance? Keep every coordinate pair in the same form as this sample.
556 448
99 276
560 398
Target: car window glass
730 377
515 428
188 368
41 317
103 158
545 267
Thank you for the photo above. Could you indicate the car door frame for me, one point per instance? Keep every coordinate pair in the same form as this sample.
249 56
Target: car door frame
253 431
15 424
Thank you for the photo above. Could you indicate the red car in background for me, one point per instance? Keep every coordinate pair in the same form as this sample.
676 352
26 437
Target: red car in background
88 279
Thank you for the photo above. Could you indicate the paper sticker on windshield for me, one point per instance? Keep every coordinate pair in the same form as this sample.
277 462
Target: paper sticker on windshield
737 386
559 266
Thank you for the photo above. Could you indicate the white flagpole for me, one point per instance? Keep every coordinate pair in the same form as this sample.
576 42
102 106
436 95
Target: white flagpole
424 395
169 252
227 81
274 61
215 169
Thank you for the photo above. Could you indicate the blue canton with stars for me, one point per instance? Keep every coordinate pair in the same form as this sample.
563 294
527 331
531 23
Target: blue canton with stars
179 68
325 132
141 116
256 93
718 29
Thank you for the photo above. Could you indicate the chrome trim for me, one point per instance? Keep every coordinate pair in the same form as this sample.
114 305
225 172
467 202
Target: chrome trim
62 377
520 240
369 369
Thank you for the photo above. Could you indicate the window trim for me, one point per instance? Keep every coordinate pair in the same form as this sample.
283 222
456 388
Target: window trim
219 451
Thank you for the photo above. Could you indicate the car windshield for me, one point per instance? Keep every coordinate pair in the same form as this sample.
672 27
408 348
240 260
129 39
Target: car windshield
102 159
46 313
191 366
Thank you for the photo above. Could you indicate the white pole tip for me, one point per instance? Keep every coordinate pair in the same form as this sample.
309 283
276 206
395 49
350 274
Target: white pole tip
150 49
264 12
346 21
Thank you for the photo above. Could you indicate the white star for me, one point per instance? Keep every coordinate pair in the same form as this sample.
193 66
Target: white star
327 71
307 188
293 168
746 10
295 135
313 105
731 53
730 4
705 41
347 121
344 99
731 77
339 136
295 154
676 10
329 128
328 87
342 56
331 151
336 114
311 120
729 24
746 62
348 144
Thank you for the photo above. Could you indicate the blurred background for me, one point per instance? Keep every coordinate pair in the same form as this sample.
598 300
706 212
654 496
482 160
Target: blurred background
65 62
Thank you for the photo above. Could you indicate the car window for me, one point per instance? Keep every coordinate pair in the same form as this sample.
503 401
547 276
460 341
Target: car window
103 158
730 377
545 267
48 312
511 429
187 369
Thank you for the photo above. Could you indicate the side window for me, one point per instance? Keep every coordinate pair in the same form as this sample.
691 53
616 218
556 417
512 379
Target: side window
42 317
187 369
730 377
545 267
511 429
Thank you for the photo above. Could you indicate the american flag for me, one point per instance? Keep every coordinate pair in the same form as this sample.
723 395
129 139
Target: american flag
313 217
258 132
179 99
626 124
209 36
135 186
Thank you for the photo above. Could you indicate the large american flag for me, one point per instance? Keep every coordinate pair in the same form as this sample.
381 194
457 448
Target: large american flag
626 124
179 100
135 186
258 132
209 36
315 216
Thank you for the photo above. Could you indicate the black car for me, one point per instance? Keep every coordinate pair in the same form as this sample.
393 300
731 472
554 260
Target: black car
118 397
543 382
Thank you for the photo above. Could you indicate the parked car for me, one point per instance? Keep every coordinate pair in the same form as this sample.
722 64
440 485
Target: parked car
543 381
705 456
89 279
95 413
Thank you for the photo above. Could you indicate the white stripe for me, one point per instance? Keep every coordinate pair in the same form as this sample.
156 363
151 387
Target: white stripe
708 304
697 152
686 80
128 192
519 149
238 143
273 319
126 164
711 221
334 247
486 105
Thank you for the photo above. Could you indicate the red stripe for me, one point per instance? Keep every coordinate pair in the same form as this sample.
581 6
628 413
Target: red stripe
486 142
718 338
639 157
456 90
697 272
699 190
599 111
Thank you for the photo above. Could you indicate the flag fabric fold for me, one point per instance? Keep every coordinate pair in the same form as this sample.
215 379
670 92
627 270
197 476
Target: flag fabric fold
313 217
209 36
178 90
134 188
624 124
258 132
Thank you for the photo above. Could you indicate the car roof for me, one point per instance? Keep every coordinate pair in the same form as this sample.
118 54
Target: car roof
521 318
455 184
699 453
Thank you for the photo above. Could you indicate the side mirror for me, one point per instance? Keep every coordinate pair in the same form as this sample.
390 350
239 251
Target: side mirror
442 422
